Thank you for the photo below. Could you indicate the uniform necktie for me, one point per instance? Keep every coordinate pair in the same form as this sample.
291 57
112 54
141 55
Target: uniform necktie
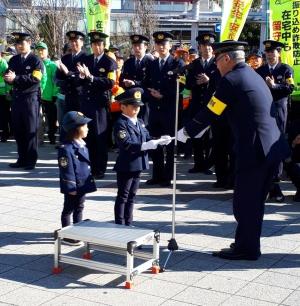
271 70
95 62
205 64
138 64
22 59
161 65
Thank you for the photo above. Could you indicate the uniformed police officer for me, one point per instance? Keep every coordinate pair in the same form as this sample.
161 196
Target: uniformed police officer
245 98
97 77
133 141
67 71
279 78
24 73
135 70
161 86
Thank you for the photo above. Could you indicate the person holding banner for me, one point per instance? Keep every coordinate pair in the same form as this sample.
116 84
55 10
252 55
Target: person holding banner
97 78
259 145
279 78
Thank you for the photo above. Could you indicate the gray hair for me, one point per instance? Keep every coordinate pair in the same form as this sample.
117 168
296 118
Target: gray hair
237 56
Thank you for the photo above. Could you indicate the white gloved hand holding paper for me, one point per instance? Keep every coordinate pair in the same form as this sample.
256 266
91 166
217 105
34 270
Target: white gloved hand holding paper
181 136
150 145
165 140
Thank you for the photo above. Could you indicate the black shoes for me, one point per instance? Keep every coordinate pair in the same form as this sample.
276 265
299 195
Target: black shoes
29 167
98 175
153 182
166 183
296 197
71 242
16 165
276 193
233 254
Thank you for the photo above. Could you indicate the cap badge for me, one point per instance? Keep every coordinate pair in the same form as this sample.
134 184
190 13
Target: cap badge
135 38
268 45
97 36
137 95
72 35
80 114
206 37
160 36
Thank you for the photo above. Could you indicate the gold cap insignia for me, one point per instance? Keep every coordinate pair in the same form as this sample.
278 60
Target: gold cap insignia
206 37
96 36
268 45
136 38
72 35
63 162
137 95
17 36
160 36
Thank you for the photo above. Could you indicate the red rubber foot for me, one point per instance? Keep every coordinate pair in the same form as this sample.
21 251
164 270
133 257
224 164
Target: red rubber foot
128 285
155 269
87 256
56 270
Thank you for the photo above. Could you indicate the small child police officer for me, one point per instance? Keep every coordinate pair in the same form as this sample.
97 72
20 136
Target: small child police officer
133 141
74 169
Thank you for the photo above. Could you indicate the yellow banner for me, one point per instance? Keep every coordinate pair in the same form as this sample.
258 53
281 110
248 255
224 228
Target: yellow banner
98 15
234 16
285 27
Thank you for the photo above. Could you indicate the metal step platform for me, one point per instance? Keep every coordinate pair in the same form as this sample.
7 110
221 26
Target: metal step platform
109 238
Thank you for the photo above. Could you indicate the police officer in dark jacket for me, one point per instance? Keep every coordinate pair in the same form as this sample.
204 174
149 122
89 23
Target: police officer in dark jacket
24 73
67 71
97 77
259 146
161 86
135 70
133 141
279 78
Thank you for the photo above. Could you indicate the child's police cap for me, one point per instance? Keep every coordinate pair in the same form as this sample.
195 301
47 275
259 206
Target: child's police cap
139 39
131 96
20 36
192 51
229 45
113 48
74 119
272 45
75 35
160 37
206 38
96 36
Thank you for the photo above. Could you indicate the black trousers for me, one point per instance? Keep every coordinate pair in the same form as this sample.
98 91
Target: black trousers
73 204
5 119
250 192
25 121
50 111
128 184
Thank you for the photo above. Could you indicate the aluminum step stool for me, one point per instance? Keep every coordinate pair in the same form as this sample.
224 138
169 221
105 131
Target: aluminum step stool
109 238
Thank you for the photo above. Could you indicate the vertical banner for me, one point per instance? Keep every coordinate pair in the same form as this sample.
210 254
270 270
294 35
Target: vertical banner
285 27
98 15
234 18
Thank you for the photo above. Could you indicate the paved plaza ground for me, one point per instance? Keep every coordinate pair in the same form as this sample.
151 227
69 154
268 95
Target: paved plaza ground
30 206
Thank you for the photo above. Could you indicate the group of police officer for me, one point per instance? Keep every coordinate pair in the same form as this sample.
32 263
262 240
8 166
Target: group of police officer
251 133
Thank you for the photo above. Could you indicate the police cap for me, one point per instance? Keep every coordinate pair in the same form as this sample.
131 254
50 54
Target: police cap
229 45
75 35
160 37
41 45
132 96
139 39
96 36
255 52
192 51
206 38
272 45
20 36
113 48
74 119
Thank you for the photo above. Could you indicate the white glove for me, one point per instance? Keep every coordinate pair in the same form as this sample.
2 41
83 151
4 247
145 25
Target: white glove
165 140
181 136
150 145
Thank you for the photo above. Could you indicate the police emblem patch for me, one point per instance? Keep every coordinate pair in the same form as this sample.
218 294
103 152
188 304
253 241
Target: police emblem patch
137 95
122 134
63 162
102 70
27 67
170 72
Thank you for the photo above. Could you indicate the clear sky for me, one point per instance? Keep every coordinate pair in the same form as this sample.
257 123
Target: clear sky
115 4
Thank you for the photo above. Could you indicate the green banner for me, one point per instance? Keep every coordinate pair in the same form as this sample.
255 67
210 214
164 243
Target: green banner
285 27
234 16
98 15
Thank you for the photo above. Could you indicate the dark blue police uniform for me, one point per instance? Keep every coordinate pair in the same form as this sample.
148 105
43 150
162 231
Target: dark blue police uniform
74 171
69 82
259 146
136 70
25 104
94 102
131 159
162 111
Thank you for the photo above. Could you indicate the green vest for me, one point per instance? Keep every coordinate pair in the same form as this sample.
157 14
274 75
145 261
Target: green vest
3 68
50 89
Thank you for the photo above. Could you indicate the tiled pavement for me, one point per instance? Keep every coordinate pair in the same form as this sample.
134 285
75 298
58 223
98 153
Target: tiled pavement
30 206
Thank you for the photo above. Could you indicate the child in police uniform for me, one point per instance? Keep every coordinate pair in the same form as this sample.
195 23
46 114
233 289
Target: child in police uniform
133 141
74 169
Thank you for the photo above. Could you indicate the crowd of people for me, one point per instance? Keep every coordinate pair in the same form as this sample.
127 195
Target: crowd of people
131 104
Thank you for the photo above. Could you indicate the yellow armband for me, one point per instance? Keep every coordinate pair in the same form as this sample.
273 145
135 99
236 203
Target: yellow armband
37 74
216 105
